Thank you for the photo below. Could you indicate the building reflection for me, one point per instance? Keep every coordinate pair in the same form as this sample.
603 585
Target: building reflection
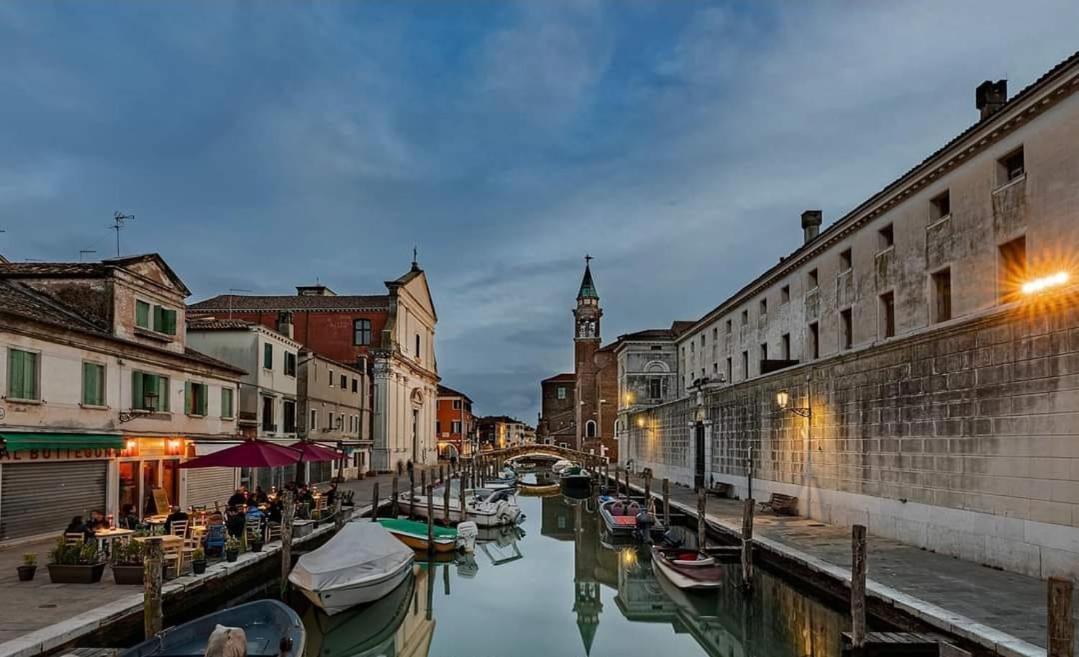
775 621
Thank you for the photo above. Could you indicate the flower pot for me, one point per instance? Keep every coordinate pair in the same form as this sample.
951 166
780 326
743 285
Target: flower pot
199 566
127 574
26 573
79 574
256 547
232 555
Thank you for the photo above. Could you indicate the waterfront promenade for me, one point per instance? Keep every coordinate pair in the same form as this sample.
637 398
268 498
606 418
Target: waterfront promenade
997 609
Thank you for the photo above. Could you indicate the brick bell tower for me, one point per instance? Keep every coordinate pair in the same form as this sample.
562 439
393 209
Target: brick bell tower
586 342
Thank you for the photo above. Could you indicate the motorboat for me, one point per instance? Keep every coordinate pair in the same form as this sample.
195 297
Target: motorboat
687 569
272 629
413 533
561 465
361 563
484 506
507 478
575 481
361 631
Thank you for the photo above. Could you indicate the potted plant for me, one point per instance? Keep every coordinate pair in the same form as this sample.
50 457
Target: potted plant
232 549
256 542
75 564
198 561
28 567
127 562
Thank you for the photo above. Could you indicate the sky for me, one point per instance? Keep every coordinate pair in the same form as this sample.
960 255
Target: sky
262 146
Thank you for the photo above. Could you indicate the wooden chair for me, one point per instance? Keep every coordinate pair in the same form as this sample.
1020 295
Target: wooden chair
273 531
173 558
192 543
179 528
253 528
74 538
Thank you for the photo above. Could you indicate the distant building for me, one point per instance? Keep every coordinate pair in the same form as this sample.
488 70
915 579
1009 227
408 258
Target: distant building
390 336
501 432
558 418
333 409
455 428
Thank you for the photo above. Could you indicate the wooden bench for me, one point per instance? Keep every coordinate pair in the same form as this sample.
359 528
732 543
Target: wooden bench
721 490
781 504
894 644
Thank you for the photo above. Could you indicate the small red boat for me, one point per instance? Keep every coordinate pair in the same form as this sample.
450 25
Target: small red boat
687 569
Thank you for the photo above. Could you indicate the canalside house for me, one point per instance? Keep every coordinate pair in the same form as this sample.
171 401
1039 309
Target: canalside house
102 395
912 366
455 426
501 432
389 336
557 424
333 411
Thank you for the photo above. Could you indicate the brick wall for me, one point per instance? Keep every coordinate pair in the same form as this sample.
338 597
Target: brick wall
964 440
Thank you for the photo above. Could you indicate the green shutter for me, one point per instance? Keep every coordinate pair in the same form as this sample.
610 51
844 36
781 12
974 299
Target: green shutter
267 356
142 314
159 318
226 402
169 317
92 388
162 394
22 374
14 374
188 406
203 389
136 390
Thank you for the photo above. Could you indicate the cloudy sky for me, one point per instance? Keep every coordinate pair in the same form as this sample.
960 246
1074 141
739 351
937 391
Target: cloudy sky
263 145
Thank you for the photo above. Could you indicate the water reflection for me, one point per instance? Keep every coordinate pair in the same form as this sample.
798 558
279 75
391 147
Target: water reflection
513 597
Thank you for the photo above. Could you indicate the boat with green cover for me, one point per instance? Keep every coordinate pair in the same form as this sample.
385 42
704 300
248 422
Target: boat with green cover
413 533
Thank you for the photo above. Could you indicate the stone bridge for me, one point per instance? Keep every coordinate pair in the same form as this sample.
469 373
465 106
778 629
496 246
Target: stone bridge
538 452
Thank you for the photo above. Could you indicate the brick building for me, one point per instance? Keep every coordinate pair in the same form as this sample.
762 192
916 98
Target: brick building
914 366
390 336
557 423
455 427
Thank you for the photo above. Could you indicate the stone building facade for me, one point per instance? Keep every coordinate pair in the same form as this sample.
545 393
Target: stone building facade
333 410
455 428
925 348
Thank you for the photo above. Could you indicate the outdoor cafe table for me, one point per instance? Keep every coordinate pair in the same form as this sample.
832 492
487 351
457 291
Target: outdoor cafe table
167 540
105 537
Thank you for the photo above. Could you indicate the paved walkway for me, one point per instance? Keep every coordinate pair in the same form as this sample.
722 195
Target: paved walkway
985 604
27 607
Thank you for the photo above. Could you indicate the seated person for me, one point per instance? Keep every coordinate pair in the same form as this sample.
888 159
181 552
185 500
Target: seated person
239 498
273 514
234 522
176 514
77 526
98 521
128 518
331 494
260 495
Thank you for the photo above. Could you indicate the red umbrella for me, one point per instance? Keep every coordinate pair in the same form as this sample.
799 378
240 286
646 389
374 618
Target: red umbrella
252 453
312 452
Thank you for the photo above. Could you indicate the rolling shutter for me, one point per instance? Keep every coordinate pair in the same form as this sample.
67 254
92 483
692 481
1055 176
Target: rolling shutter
208 485
41 498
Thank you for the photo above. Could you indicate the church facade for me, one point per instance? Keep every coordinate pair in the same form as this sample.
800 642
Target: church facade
578 409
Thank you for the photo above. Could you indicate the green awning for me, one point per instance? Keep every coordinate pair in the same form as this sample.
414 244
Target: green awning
23 441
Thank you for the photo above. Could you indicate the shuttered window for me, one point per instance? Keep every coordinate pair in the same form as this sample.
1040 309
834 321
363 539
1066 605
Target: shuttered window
195 398
150 392
142 314
290 363
73 488
226 402
93 384
267 356
164 319
22 378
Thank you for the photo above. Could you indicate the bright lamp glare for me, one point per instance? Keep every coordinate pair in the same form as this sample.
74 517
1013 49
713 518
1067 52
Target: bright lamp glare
1040 284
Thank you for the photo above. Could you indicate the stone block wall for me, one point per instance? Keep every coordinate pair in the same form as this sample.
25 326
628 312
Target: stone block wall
963 440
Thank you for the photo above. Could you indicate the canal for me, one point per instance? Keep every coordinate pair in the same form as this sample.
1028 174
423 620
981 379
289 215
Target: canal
555 587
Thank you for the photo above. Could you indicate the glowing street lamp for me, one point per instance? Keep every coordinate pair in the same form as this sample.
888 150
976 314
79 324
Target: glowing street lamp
1040 284
783 400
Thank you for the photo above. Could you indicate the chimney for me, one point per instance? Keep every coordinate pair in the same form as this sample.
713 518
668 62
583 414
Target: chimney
811 221
284 323
990 96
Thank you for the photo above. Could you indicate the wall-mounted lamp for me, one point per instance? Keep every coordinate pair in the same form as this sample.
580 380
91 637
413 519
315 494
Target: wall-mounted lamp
783 400
1039 284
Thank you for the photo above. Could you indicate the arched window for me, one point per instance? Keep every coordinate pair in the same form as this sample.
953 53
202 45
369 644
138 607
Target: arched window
590 429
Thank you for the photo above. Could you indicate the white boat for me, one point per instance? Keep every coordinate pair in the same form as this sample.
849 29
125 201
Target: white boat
559 466
362 563
485 507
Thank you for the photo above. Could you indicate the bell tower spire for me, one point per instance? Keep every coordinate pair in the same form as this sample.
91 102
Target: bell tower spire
586 342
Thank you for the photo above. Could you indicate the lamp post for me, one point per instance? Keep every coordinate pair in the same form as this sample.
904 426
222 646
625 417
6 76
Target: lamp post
783 400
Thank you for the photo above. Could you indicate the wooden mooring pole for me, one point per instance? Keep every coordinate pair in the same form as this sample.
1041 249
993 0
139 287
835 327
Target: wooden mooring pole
1061 627
430 521
152 615
857 587
617 479
394 509
423 480
446 503
288 510
441 474
461 498
747 543
411 491
702 522
338 515
374 503
647 488
666 503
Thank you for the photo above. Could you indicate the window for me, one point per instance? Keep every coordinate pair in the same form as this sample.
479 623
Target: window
561 392
715 335
268 414
745 317
164 320
814 341
655 388
142 315
1011 166
329 421
942 295
344 382
355 384
456 404
22 377
267 356
455 427
361 332
149 392
288 408
314 420
730 327
438 426
764 351
417 345
692 348
331 378
195 398
845 261
785 342
730 369
887 315
785 294
1012 270
226 402
885 237
846 329
290 364
745 364
590 429
93 384
811 280
764 307
940 206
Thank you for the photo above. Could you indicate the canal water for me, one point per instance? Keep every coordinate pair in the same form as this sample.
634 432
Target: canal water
556 587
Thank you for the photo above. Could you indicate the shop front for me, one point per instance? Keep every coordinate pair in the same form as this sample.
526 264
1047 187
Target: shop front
47 479
148 475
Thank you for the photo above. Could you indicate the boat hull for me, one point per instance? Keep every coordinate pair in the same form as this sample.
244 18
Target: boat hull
336 600
578 486
417 543
482 517
707 577
265 622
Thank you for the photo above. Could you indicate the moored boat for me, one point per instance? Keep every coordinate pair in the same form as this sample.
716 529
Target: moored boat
361 563
413 533
575 481
561 465
362 631
687 569
485 507
272 629
620 516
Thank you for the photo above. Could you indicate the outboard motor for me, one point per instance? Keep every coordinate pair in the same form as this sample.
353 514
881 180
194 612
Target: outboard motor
674 537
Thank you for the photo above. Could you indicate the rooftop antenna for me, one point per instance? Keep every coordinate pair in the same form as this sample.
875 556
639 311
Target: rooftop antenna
85 252
119 218
415 258
234 289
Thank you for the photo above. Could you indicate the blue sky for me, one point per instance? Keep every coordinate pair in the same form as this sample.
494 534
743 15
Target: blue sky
263 145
